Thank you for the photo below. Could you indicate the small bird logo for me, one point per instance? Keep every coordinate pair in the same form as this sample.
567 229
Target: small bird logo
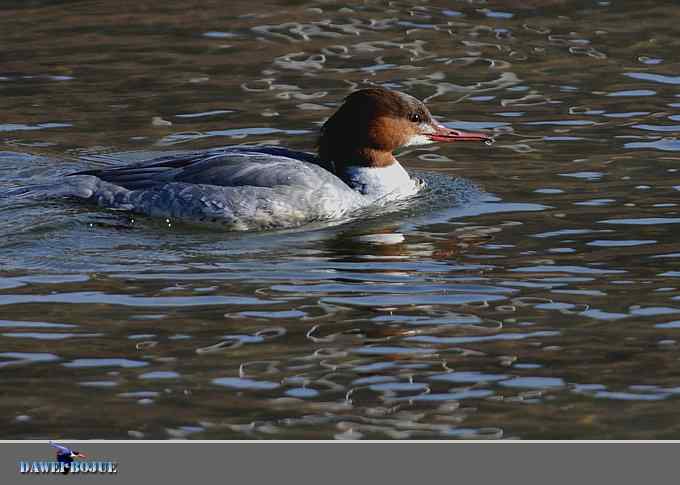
66 455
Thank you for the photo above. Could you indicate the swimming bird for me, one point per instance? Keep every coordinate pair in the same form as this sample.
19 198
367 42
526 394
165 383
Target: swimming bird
264 187
66 455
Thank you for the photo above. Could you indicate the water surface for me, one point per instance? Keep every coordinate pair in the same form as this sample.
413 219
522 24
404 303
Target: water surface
547 307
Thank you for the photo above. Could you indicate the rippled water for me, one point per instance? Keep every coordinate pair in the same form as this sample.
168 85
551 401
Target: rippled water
547 306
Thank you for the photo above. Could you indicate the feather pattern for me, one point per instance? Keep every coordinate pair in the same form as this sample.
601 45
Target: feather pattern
243 188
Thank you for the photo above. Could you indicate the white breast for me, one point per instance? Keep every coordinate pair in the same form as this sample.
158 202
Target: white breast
376 182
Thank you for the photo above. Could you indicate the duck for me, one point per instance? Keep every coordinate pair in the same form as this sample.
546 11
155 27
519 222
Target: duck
256 187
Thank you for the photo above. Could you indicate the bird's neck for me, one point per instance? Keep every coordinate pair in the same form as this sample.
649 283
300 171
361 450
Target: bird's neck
370 171
392 180
350 156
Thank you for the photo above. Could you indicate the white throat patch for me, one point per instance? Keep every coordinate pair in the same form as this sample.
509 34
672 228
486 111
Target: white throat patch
393 181
421 138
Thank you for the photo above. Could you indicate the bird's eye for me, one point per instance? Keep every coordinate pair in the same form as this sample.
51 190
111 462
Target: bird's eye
415 118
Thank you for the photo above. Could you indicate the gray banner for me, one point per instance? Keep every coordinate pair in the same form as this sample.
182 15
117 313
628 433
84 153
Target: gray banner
329 463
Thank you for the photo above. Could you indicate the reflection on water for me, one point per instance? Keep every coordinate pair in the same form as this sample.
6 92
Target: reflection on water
547 308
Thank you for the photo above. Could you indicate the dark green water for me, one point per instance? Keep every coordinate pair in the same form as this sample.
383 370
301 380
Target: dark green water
549 308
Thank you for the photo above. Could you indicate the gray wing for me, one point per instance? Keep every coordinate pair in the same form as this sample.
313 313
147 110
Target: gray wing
244 207
243 187
61 448
265 166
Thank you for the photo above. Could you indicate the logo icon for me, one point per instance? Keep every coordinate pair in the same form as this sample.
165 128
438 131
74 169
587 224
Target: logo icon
66 456
66 463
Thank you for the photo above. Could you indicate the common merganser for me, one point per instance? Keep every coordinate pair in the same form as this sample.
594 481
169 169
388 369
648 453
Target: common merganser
262 187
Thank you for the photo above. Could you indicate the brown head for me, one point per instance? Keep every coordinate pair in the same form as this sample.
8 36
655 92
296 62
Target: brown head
374 122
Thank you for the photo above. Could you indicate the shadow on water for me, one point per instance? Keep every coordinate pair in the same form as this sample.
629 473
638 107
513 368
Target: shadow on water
531 292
